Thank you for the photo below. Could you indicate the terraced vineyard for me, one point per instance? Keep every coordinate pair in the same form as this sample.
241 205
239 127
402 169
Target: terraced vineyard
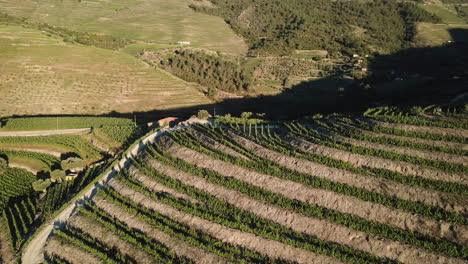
39 174
375 189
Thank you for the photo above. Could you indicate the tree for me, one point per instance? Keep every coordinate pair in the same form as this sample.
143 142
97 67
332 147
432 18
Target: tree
203 114
246 115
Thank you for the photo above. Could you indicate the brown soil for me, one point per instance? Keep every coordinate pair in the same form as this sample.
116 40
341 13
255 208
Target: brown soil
157 187
453 145
312 226
215 144
376 162
106 236
271 248
70 252
328 199
178 246
56 152
6 256
431 155
458 132
444 200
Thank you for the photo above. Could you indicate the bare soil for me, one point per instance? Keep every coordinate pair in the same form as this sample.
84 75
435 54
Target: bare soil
70 252
106 236
271 248
215 144
376 162
431 155
318 228
457 132
179 247
6 256
447 201
328 199
157 187
438 143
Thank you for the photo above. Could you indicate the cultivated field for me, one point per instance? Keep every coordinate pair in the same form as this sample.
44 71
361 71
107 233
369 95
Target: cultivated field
44 75
38 174
374 189
160 22
438 34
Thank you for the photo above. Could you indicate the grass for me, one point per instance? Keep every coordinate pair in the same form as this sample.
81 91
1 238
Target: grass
161 22
44 75
437 34
448 16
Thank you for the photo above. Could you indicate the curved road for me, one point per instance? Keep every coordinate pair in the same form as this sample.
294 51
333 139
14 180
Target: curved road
34 252
42 132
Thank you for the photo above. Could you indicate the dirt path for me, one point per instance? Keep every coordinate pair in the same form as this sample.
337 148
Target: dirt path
53 152
42 132
447 201
453 145
318 228
376 162
34 252
328 199
178 246
70 252
457 132
430 155
215 144
157 187
111 240
271 248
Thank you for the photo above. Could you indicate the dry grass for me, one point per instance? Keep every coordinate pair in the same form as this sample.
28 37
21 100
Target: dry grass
43 75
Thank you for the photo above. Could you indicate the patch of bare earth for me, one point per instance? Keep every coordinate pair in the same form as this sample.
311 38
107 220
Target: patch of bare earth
431 155
157 187
318 228
215 144
38 149
335 201
457 132
268 247
6 255
376 162
179 247
453 145
447 201
70 252
101 233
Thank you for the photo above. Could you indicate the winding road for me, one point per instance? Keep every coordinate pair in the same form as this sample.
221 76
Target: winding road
34 252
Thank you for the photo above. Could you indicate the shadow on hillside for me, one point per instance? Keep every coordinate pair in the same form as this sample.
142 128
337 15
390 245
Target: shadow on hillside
412 76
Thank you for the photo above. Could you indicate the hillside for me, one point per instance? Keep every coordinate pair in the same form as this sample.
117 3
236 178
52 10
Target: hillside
40 172
384 187
159 22
42 74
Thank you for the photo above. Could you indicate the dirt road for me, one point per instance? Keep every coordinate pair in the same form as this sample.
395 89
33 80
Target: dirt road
42 132
34 252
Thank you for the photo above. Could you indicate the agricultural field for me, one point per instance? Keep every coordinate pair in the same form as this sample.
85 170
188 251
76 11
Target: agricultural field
43 75
388 186
159 22
40 173
440 34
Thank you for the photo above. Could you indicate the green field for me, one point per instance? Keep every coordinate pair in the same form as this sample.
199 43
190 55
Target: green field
44 75
161 22
447 15
438 34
